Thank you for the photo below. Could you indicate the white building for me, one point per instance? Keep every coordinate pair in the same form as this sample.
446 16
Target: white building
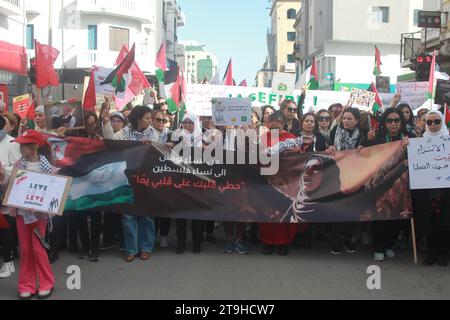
196 61
92 32
12 31
173 18
342 36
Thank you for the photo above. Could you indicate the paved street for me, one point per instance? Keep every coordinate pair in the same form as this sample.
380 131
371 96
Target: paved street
314 274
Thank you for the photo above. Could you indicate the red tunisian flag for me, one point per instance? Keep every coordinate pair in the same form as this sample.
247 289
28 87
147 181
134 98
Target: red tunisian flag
46 74
228 79
90 99
13 58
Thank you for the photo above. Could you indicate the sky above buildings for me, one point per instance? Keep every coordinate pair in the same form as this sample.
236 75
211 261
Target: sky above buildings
232 28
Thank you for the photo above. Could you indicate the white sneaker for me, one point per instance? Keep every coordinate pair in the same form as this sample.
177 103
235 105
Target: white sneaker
164 242
25 296
379 256
7 270
390 254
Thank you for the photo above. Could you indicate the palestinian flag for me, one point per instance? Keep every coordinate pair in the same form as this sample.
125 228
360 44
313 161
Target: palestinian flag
175 88
228 78
90 99
243 83
99 180
431 81
161 63
116 78
447 115
378 105
377 67
313 83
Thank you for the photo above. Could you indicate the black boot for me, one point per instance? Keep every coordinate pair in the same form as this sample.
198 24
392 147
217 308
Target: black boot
197 248
181 246
430 260
307 240
298 241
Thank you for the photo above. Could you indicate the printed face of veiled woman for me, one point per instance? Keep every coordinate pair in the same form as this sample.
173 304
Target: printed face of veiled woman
312 176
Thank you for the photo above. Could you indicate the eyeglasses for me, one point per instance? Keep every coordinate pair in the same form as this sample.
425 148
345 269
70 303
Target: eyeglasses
161 120
435 122
391 121
187 123
292 110
323 119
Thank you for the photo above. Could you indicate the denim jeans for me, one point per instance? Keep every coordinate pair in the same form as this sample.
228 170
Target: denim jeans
139 234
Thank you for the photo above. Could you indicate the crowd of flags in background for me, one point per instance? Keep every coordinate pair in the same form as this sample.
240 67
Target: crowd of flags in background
172 86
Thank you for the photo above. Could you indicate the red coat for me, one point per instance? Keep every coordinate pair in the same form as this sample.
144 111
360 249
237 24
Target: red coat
277 233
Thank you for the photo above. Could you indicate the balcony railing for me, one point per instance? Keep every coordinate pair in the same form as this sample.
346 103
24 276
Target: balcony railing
11 7
132 9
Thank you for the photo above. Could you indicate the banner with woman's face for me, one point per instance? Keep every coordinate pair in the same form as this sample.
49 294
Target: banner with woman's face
371 184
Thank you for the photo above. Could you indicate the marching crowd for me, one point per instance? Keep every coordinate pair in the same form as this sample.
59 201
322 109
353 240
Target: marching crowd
338 128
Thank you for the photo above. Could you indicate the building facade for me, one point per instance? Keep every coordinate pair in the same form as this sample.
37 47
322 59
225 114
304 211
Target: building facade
92 32
197 62
281 35
12 32
344 44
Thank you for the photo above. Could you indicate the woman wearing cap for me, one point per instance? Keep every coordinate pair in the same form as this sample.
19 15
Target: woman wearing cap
112 223
9 155
139 232
433 208
36 275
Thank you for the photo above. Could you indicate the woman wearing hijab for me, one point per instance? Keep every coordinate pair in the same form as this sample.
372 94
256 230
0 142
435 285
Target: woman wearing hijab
433 208
191 136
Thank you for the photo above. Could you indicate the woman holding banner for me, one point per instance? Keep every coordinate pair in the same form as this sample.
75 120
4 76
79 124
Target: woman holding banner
279 235
385 233
191 136
139 232
433 208
346 136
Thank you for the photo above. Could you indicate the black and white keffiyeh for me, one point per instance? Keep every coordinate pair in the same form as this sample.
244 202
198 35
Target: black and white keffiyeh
344 141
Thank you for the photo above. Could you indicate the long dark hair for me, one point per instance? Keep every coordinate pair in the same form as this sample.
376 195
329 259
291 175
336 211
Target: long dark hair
400 107
389 111
137 114
316 123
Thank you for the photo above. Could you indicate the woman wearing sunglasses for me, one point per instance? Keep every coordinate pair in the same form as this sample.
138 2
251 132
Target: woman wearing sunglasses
325 121
385 233
433 207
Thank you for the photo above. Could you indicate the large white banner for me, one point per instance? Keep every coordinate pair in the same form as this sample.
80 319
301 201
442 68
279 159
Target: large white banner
413 93
199 97
429 163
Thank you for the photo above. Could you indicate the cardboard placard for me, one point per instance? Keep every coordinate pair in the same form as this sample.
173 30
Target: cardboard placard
64 114
232 111
413 93
21 105
383 84
362 99
37 191
429 163
442 88
283 83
